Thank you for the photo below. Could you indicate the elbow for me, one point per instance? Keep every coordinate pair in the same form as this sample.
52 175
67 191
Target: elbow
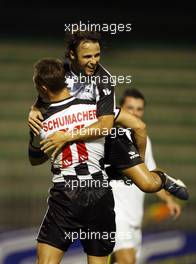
34 161
36 156
109 125
34 164
141 126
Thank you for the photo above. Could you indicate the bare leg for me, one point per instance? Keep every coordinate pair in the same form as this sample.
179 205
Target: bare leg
124 256
47 254
97 260
145 180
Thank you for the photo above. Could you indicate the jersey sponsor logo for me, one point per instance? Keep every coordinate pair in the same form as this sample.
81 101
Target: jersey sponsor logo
107 91
133 154
89 89
66 163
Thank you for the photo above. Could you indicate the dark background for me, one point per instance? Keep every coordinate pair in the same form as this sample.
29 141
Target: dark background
172 23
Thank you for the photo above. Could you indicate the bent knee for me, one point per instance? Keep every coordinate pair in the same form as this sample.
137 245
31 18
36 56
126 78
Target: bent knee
149 186
46 261
47 254
126 257
128 261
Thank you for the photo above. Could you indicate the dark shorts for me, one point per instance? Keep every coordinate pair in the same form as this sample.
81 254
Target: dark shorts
86 213
120 151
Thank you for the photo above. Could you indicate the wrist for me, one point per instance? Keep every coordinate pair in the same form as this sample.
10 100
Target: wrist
34 108
76 134
72 135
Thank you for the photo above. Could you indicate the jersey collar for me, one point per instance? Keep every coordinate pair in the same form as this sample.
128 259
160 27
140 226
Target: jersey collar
62 102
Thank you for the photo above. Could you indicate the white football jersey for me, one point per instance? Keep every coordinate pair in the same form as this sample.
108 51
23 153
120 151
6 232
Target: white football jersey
129 200
93 88
78 158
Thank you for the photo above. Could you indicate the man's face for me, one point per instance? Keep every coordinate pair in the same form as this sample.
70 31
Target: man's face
88 56
135 106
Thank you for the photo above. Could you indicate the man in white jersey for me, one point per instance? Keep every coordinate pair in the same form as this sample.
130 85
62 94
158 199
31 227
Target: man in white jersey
81 203
129 200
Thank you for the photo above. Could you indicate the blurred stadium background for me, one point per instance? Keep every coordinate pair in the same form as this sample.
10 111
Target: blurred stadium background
164 72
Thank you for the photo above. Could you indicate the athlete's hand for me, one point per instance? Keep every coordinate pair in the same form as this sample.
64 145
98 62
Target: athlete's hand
174 208
35 121
55 142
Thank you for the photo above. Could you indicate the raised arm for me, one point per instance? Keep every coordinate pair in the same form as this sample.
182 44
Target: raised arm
35 117
127 120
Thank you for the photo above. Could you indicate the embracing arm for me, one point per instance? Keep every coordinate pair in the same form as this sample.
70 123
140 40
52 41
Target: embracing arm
58 139
127 120
36 155
35 117
96 130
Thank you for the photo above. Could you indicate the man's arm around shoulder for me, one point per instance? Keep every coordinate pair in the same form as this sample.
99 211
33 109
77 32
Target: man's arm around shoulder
36 155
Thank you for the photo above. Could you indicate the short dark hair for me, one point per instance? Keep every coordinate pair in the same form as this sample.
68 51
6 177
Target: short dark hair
132 93
75 39
50 73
